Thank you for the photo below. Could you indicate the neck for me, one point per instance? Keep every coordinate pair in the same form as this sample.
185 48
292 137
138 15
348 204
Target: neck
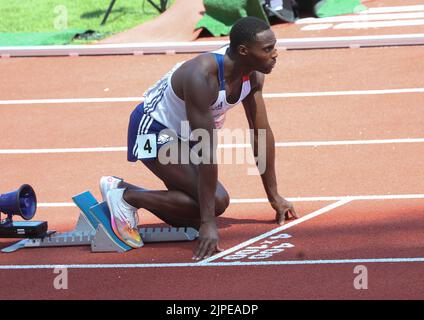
234 66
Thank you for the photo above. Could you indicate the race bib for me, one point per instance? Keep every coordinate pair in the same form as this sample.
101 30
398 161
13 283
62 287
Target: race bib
146 146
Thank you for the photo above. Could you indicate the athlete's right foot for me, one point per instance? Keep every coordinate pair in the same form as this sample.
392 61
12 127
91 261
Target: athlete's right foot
124 218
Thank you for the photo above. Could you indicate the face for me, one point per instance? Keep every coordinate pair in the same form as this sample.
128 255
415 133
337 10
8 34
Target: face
261 53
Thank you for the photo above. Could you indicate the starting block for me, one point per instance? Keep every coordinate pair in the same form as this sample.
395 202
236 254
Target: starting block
94 229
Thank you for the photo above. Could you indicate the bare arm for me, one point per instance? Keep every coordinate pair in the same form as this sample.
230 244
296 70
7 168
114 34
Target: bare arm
254 106
199 95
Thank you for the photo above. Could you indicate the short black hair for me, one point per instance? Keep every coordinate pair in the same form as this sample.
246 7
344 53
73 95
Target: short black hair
245 30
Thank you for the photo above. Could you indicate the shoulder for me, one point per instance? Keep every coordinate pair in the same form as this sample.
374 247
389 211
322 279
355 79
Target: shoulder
201 68
199 79
197 76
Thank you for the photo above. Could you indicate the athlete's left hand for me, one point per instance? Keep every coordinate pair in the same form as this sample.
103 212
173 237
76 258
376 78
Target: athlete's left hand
283 210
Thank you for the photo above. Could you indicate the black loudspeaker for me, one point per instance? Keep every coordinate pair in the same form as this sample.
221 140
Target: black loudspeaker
23 203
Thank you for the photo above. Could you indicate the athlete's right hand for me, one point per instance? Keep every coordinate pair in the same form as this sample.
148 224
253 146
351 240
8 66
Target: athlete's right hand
208 241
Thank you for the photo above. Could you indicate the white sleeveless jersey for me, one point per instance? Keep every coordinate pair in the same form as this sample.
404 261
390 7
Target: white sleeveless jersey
163 105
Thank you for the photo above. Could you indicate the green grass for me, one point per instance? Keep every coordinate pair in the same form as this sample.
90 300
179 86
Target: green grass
60 15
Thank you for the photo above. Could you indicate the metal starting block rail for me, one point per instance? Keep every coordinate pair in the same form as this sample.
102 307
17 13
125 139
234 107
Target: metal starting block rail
94 229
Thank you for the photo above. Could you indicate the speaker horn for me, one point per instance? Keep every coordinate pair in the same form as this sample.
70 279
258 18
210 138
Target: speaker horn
22 202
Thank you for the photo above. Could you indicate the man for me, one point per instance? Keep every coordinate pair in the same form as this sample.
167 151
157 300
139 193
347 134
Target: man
199 91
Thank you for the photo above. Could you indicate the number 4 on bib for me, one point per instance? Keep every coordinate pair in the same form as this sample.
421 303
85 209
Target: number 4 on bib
146 146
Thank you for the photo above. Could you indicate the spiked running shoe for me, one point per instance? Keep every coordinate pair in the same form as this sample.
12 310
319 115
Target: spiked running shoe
108 183
123 218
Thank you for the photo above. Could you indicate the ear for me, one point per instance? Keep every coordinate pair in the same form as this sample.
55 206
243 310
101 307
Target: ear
243 50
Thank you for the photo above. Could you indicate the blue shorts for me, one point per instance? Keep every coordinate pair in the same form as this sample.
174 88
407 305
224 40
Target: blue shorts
141 123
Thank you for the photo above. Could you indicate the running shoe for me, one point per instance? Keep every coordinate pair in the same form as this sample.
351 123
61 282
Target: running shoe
124 218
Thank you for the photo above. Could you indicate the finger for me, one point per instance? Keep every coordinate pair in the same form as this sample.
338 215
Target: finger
219 249
294 213
200 248
210 251
280 218
203 249
291 214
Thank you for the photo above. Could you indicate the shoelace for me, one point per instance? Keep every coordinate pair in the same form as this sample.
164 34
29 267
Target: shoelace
136 220
132 219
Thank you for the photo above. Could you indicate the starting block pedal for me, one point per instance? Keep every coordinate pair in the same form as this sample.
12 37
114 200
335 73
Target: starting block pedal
94 229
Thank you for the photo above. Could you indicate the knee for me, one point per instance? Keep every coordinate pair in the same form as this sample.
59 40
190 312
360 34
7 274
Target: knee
222 202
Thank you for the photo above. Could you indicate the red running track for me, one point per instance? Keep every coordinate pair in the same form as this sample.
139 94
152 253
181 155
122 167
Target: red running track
324 250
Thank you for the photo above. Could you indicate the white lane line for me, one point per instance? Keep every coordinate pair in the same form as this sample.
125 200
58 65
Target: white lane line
363 17
63 150
335 198
266 95
55 204
343 93
66 101
317 26
279 229
379 24
220 146
292 199
346 142
393 9
211 264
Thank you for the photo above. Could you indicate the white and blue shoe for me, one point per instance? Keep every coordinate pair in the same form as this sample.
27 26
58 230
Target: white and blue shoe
123 217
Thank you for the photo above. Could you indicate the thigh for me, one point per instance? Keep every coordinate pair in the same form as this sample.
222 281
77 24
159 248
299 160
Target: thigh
182 177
